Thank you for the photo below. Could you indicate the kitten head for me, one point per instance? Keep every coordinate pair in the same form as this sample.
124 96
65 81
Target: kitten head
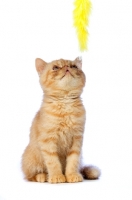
61 75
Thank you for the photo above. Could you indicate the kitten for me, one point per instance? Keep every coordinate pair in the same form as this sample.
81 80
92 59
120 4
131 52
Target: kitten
54 151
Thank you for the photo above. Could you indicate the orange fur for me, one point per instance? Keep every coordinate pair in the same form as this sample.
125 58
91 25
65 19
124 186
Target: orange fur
54 151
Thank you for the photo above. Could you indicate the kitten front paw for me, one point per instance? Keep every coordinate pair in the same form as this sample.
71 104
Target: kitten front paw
73 178
57 179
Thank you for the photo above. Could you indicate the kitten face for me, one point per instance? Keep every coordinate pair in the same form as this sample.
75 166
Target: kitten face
60 75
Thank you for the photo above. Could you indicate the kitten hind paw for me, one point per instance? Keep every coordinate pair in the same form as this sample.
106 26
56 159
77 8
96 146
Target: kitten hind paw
40 177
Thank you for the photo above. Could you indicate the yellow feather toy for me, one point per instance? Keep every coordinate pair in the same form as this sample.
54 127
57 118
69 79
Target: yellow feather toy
81 15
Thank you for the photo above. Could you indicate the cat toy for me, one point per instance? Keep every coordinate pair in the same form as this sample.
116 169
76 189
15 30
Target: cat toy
81 15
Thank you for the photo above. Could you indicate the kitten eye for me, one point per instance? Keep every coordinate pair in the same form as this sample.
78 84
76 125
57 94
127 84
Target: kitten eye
55 67
73 66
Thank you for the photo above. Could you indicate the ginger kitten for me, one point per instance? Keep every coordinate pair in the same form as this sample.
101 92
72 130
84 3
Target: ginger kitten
54 151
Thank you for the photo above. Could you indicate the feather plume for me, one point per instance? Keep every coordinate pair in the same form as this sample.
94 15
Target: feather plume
81 15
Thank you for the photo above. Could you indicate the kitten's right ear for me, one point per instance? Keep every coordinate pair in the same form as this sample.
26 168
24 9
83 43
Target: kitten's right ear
40 65
78 62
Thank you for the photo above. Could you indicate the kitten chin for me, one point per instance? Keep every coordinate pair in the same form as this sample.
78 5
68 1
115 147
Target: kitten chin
54 151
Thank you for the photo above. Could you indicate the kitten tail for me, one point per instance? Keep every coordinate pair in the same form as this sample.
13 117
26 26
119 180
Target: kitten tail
90 172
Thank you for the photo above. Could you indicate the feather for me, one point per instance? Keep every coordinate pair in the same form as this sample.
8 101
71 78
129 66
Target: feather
81 15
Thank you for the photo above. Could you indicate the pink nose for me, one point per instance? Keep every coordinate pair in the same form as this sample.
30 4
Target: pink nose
66 67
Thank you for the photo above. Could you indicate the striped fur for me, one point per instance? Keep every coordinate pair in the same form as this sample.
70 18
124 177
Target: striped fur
54 151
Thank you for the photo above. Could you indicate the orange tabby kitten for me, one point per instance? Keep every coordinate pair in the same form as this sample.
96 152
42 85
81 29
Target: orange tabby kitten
54 150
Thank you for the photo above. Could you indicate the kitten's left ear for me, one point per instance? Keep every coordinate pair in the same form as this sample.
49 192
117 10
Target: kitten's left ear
40 65
78 62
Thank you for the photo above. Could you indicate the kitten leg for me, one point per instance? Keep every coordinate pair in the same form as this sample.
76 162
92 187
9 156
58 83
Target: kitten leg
33 165
73 161
52 162
40 177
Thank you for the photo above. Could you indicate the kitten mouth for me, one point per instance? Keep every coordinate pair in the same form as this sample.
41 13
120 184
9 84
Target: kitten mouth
67 72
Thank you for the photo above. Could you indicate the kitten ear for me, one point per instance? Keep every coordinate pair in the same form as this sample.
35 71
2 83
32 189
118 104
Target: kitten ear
78 62
40 65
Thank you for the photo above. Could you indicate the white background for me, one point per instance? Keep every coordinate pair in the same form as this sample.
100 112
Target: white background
39 28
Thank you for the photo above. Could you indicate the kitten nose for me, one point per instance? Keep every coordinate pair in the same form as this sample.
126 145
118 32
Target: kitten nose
66 67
